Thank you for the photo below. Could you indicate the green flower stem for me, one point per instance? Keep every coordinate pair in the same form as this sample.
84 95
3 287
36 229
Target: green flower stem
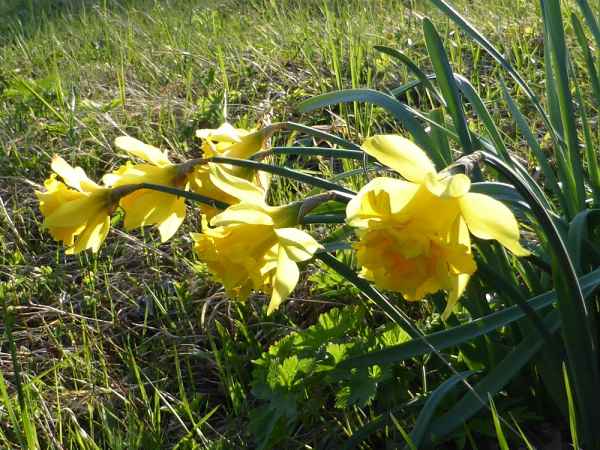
121 191
310 151
323 218
281 171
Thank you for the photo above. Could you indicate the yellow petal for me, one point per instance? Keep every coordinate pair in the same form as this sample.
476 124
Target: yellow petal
237 187
74 177
286 278
459 284
487 218
143 151
453 186
298 244
94 234
226 132
249 213
401 155
139 206
379 198
249 145
73 213
170 224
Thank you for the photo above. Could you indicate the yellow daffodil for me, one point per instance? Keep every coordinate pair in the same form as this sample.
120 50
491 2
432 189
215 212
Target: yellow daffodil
252 246
76 210
145 206
414 233
230 142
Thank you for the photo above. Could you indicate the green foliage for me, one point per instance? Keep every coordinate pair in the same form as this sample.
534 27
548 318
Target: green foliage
298 375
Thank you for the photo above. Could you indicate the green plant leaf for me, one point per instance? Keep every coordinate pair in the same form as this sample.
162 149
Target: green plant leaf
495 380
457 335
399 110
427 412
484 43
413 68
281 171
447 84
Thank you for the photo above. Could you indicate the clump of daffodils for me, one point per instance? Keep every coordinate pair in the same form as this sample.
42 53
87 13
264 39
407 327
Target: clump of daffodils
413 233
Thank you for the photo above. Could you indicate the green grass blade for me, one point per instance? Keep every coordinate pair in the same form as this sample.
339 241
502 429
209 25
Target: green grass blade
12 415
502 443
399 110
587 57
572 412
447 84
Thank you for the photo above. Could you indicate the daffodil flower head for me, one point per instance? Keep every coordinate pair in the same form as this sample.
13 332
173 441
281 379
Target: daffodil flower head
231 142
414 232
76 210
253 246
144 206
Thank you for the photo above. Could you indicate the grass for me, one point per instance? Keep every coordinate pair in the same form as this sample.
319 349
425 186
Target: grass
135 347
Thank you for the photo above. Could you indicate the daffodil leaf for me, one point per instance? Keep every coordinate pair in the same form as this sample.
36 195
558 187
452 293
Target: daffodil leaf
399 110
457 335
427 412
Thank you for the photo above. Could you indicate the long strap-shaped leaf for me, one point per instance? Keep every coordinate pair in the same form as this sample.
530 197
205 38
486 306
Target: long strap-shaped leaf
523 127
320 134
447 84
428 410
578 333
555 31
411 66
464 24
590 19
455 336
398 109
313 151
505 371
